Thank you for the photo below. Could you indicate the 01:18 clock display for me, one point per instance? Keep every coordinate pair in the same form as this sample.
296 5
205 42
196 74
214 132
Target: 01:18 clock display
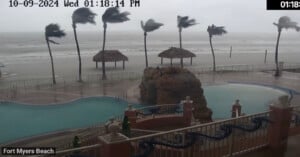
104 3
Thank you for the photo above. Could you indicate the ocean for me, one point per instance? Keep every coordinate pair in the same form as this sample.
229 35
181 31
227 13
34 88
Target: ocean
24 47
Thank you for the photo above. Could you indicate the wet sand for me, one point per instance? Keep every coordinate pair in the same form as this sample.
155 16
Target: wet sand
67 67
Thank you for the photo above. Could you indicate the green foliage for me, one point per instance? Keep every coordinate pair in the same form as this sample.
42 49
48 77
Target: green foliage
216 30
287 23
53 30
150 25
113 15
185 22
83 16
126 127
76 142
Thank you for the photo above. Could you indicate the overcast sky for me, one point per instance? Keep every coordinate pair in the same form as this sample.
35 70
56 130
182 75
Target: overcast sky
235 15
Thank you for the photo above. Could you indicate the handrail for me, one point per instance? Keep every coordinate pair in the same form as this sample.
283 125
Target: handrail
163 105
159 133
199 125
188 128
72 150
79 148
64 131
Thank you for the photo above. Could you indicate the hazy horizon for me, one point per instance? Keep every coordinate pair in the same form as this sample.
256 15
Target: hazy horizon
235 15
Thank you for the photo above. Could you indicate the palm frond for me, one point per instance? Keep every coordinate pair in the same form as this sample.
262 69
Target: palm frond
143 26
185 22
150 25
216 30
53 30
113 15
53 42
83 16
287 23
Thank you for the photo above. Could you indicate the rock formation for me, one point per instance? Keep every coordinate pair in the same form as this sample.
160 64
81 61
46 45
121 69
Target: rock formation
170 86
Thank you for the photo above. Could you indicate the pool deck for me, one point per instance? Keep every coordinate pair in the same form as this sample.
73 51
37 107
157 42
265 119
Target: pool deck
127 89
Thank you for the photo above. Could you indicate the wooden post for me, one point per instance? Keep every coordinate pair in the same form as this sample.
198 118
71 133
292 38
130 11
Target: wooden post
123 64
191 60
171 61
161 61
115 64
181 62
230 51
96 65
266 53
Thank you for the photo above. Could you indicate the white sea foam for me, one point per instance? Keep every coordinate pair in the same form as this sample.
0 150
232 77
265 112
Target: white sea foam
26 46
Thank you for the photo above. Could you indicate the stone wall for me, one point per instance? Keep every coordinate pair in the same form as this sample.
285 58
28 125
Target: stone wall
170 86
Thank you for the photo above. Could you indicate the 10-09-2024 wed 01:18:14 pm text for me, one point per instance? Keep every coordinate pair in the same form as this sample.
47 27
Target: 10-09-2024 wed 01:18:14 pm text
73 3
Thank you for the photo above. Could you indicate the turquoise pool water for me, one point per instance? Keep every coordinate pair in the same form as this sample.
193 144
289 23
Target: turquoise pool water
19 121
253 98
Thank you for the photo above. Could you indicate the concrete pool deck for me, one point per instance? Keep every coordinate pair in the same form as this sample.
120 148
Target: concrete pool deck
128 89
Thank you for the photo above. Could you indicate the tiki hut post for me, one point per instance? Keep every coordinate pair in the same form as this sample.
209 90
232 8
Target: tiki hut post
171 61
96 65
123 64
161 60
191 60
115 64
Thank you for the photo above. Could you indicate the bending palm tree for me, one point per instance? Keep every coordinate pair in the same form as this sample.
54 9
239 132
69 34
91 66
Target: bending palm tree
52 30
81 16
283 22
184 22
150 26
214 30
111 15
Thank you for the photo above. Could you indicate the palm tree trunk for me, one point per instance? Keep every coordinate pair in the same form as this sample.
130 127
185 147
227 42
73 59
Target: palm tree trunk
276 53
103 48
180 45
213 54
180 39
145 45
51 59
78 52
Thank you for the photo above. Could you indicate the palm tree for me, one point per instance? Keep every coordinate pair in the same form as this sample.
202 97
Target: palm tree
53 30
111 15
150 26
214 30
184 22
81 16
287 23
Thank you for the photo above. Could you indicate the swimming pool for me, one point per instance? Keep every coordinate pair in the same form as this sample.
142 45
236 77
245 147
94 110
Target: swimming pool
19 121
253 98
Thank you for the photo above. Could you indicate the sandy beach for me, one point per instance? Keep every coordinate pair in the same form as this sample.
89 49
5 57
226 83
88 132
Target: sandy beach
67 67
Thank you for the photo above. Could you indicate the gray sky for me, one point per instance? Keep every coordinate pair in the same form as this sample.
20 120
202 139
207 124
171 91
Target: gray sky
235 15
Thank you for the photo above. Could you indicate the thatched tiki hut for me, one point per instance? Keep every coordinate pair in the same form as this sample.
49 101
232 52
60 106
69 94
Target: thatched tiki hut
174 52
110 56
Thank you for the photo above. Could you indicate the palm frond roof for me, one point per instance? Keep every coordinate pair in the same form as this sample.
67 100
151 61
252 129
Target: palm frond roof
110 56
174 52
